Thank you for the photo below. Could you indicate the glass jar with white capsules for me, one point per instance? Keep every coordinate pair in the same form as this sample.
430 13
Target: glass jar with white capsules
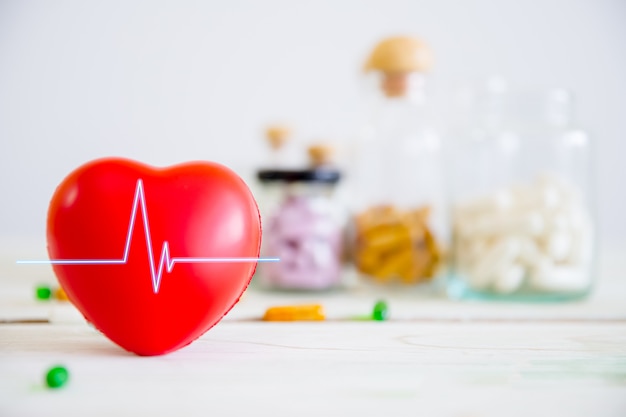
303 225
522 217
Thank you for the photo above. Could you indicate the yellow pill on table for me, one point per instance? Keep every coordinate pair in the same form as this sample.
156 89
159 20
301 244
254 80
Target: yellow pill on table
306 312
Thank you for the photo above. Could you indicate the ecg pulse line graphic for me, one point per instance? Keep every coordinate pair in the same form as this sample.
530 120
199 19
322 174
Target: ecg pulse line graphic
165 261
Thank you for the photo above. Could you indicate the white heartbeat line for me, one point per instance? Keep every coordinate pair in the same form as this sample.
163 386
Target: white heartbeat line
165 261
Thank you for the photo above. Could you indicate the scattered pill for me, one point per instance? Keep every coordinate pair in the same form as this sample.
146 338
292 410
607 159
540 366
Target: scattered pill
56 377
43 292
305 312
380 311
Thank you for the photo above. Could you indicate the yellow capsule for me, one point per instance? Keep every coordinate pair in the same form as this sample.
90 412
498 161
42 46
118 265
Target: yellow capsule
307 312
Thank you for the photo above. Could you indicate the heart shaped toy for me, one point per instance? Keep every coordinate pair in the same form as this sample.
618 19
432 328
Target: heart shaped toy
153 257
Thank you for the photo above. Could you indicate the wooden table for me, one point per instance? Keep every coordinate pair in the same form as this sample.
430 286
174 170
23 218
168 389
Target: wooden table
434 357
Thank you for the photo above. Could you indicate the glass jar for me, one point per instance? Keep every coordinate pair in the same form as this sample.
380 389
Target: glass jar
522 218
397 186
303 226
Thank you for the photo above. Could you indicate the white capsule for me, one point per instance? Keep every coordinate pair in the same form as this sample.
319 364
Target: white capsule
521 223
582 249
580 220
549 195
558 221
529 252
479 226
496 258
559 246
509 279
552 278
526 223
532 224
497 202
536 197
568 192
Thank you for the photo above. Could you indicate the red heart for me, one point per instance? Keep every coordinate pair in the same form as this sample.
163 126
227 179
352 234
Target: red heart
194 211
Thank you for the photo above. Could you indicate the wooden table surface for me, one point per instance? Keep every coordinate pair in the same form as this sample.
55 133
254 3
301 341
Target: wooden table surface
433 357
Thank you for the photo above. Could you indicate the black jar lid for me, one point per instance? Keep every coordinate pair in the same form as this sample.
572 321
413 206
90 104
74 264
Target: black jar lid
318 175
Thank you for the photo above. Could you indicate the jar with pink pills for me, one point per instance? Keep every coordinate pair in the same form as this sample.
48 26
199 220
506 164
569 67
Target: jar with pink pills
303 225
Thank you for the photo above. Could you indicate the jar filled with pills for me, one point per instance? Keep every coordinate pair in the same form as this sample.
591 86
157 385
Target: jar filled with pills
303 225
396 175
522 217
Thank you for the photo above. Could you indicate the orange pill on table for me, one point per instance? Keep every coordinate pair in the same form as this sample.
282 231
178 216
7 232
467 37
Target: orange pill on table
60 294
306 312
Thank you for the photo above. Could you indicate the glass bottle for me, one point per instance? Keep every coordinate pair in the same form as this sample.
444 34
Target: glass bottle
303 226
523 227
396 182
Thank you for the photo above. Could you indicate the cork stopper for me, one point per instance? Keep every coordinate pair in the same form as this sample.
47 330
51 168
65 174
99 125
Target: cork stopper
277 135
400 54
398 60
320 154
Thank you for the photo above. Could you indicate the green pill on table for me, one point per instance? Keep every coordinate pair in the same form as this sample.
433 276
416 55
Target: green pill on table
43 292
380 311
56 377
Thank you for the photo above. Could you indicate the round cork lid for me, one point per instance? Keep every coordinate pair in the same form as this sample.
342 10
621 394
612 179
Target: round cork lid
320 154
277 135
400 54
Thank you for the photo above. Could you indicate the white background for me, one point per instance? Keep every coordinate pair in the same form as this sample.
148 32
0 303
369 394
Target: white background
166 82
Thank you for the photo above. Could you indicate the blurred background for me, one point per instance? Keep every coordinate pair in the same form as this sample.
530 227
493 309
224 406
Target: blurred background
165 82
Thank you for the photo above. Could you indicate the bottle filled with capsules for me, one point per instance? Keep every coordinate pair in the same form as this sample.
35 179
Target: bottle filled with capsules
303 225
522 217
396 179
